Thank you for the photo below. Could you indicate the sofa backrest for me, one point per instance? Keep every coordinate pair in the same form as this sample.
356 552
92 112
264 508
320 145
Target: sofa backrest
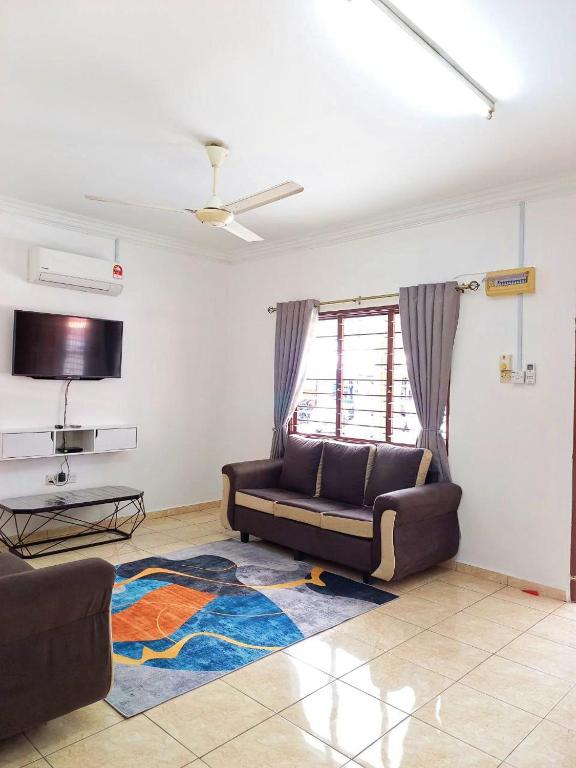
396 467
351 472
344 467
301 464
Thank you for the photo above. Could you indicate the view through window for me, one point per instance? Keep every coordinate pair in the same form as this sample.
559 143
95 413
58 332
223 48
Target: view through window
357 384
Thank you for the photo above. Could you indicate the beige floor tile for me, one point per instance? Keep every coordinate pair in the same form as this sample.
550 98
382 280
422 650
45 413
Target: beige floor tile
440 654
413 744
556 628
143 538
202 538
209 716
210 526
566 611
475 631
445 594
129 557
63 557
465 580
411 582
398 682
548 746
480 720
416 611
545 604
114 549
380 629
16 752
278 681
160 524
165 549
334 651
190 518
38 764
518 685
344 717
136 742
542 654
70 728
275 743
506 613
564 713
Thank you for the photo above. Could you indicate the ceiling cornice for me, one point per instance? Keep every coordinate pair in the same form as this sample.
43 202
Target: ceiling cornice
407 218
91 226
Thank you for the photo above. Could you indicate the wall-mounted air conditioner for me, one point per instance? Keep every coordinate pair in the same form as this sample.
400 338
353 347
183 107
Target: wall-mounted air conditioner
70 270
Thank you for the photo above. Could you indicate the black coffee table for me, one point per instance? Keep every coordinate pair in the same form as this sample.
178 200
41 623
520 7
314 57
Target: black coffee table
26 516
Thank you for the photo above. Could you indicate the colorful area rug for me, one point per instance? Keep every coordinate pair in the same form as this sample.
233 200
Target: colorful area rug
184 619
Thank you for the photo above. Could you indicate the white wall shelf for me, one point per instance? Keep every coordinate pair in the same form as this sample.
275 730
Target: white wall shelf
44 442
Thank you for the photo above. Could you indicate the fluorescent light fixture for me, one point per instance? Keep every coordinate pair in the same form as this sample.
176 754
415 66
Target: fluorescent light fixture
489 102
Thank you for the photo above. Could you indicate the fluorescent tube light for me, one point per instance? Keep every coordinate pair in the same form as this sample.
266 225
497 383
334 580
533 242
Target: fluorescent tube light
430 45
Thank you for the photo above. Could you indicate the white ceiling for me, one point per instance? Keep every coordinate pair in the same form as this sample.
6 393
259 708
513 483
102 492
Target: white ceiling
116 98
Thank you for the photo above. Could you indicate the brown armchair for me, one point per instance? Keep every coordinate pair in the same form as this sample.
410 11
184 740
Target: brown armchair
55 646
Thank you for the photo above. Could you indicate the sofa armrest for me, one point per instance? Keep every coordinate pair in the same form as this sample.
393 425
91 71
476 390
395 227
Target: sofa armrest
420 503
38 601
261 473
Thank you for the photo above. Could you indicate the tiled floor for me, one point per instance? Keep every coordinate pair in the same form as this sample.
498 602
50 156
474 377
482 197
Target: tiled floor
459 672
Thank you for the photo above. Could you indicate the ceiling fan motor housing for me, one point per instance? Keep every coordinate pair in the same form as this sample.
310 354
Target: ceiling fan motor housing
215 217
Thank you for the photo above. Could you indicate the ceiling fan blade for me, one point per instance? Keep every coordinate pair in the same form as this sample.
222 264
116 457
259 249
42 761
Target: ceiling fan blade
138 205
265 197
242 232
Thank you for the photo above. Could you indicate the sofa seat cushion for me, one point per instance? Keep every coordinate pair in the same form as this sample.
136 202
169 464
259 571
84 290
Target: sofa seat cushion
354 521
300 466
262 499
331 515
10 564
344 468
396 467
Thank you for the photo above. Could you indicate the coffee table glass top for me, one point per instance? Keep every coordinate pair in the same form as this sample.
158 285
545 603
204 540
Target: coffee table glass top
61 499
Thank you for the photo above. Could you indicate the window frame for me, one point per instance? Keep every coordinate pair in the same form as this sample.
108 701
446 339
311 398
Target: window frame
391 311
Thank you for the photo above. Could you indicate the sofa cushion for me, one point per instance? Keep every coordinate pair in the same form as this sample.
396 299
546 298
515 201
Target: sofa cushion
344 472
396 467
353 521
262 499
10 564
301 461
329 514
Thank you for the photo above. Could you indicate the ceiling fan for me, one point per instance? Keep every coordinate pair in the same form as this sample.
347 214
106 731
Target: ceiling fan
216 213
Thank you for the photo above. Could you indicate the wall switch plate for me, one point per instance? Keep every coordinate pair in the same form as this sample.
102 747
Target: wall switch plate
518 377
505 369
530 373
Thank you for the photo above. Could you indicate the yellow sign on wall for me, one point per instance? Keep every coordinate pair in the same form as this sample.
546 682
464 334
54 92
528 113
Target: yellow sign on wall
510 282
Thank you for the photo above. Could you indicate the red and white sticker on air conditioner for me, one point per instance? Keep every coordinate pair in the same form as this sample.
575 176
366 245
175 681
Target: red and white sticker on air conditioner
118 271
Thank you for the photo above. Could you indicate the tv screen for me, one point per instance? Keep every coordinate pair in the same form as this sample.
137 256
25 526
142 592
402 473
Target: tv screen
50 346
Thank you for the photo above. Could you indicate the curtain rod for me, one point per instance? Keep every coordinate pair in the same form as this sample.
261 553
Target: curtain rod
461 288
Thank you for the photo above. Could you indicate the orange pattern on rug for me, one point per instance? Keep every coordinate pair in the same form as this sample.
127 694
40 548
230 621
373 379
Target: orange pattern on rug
159 613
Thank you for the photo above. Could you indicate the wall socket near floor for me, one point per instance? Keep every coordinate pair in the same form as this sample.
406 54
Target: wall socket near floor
53 479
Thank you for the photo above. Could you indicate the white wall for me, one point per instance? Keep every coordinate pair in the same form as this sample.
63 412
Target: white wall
172 346
510 447
198 368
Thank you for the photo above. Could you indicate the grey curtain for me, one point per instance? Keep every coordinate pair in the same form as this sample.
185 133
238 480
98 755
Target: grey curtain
295 321
429 317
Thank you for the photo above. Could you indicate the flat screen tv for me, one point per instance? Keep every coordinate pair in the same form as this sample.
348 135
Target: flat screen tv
50 346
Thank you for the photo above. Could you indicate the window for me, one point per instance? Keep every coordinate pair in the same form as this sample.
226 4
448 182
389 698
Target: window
357 384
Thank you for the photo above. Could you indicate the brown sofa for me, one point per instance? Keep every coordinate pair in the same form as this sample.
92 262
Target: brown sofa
372 508
55 649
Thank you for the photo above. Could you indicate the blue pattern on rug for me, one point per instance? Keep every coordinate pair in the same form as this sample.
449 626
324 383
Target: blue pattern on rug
197 614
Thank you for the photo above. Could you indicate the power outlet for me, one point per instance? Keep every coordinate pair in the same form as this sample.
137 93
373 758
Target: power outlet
53 479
